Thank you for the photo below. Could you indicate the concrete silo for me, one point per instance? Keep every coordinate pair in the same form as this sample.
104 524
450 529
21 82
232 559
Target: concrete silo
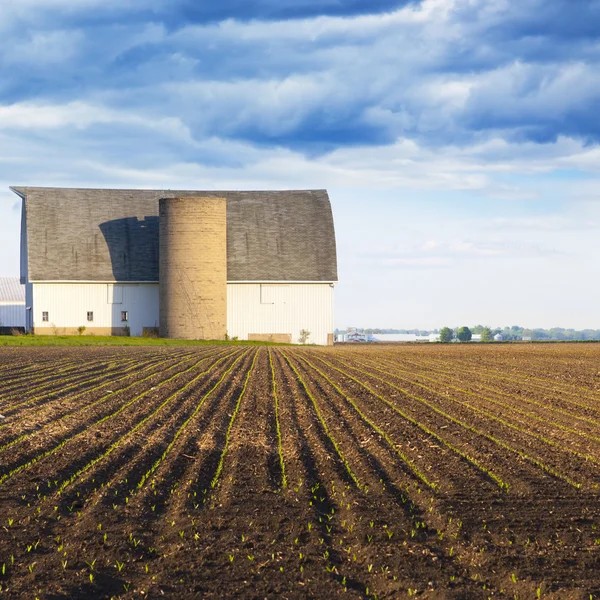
193 268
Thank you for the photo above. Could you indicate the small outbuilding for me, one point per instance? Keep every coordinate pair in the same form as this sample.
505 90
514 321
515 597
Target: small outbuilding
12 305
252 265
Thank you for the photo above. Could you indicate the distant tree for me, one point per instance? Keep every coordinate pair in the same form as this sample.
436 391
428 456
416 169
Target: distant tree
541 334
446 335
304 335
487 335
464 334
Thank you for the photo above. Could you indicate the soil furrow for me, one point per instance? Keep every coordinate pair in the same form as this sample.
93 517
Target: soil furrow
38 454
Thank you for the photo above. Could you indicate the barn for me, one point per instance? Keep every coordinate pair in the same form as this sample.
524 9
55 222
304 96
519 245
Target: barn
12 305
251 265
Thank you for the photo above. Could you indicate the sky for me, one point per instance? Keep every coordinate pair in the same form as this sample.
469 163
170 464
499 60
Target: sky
458 139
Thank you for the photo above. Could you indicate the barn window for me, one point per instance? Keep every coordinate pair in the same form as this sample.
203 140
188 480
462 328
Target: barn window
45 316
90 315
124 316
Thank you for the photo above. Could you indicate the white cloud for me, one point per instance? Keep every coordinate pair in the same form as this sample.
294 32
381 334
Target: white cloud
448 253
31 116
43 48
404 165
434 262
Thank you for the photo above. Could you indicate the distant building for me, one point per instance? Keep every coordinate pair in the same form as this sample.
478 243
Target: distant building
498 337
353 335
12 304
397 337
358 335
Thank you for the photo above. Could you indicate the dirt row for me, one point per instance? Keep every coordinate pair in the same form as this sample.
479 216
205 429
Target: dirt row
299 472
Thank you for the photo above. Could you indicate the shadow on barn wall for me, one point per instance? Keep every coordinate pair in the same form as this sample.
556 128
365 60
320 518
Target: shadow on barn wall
133 247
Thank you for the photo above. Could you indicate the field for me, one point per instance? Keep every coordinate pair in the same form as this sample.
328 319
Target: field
461 471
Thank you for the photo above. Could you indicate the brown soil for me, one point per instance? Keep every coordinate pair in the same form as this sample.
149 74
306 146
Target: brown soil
358 472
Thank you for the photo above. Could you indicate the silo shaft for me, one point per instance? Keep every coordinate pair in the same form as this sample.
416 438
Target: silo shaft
193 268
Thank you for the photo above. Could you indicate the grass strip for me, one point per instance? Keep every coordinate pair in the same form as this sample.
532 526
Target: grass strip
99 340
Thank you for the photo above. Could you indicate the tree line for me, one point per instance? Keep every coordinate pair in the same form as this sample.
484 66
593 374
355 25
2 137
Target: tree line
516 333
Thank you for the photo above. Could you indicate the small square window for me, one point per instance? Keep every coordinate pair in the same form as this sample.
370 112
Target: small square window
45 316
90 315
124 316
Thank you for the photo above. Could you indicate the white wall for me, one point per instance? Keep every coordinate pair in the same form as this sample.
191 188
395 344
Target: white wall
67 305
12 314
251 307
280 308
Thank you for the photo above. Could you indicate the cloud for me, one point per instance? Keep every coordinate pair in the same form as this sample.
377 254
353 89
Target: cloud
34 117
545 223
430 96
90 137
438 253
315 77
465 131
417 263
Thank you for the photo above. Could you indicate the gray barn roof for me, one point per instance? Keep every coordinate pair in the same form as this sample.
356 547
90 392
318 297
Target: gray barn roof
11 290
112 235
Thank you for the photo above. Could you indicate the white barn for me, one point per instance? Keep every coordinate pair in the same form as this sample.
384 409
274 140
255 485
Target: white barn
90 258
12 305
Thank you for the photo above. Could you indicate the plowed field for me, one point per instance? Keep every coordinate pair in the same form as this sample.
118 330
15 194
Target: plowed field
291 472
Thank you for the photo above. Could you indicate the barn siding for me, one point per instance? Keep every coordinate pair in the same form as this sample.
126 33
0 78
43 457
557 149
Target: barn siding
12 314
254 308
67 305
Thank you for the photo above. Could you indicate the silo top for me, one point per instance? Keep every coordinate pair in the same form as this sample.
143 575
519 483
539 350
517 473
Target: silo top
112 235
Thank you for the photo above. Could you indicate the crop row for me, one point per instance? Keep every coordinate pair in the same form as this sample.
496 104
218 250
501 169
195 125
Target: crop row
467 426
290 471
112 415
522 427
44 407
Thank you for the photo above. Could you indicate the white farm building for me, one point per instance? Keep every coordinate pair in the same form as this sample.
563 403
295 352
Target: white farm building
190 264
12 305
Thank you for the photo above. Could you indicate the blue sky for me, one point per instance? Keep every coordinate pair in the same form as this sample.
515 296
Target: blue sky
458 139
